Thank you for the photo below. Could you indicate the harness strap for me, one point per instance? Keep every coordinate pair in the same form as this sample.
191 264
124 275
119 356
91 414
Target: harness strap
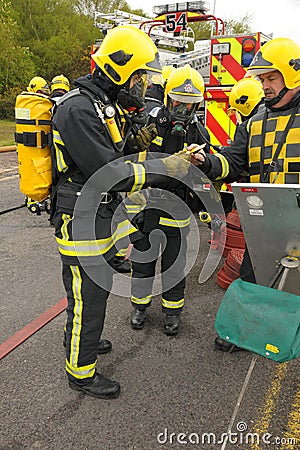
38 139
264 177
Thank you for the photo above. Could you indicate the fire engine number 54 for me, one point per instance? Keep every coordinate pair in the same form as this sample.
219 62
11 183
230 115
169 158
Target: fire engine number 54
176 22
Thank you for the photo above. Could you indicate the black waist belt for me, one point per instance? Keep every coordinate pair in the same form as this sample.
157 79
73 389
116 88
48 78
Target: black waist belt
67 195
38 139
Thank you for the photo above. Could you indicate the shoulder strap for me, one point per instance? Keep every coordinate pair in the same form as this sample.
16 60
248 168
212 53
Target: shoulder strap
264 177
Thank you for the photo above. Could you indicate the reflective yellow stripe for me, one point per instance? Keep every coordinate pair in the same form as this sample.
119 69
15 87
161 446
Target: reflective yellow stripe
122 252
173 304
139 177
141 301
95 247
174 223
64 228
60 161
158 141
77 315
142 156
225 166
134 209
57 138
81 372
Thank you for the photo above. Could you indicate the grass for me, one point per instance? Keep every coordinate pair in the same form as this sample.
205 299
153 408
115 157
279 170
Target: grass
7 129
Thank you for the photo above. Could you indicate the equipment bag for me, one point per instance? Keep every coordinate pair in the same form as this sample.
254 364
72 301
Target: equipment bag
260 319
33 134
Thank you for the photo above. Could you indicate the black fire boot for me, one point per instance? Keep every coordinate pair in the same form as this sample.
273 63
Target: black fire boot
138 317
171 324
104 345
99 387
224 346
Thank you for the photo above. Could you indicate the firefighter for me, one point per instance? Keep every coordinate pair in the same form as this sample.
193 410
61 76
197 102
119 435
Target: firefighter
177 127
84 141
59 86
267 146
38 85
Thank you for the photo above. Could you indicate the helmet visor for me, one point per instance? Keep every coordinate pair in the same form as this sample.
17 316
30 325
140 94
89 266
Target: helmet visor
186 98
154 65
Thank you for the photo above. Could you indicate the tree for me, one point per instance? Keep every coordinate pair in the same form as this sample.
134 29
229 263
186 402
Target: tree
57 35
240 26
15 60
204 30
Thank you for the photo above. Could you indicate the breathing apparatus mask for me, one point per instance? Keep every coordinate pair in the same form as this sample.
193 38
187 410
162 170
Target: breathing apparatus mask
182 109
132 95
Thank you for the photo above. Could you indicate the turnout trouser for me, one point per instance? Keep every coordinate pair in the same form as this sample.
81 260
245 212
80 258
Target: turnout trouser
173 260
246 269
85 319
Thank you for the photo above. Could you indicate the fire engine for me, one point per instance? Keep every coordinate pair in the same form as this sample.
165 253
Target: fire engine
222 60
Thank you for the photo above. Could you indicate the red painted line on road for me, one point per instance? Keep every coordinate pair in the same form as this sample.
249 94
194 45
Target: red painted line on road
17 339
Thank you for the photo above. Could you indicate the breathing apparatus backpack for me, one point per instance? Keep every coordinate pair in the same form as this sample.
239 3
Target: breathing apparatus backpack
33 137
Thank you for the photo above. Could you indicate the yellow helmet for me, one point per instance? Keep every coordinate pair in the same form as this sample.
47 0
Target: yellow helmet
157 78
185 85
166 72
124 50
38 84
280 54
60 82
245 95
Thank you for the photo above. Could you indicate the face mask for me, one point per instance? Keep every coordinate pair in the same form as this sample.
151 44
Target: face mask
181 114
132 95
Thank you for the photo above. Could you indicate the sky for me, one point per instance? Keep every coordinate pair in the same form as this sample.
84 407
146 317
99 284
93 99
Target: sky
281 18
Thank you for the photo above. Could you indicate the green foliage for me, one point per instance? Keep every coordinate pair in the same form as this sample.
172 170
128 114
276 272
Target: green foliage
240 26
16 65
7 104
57 35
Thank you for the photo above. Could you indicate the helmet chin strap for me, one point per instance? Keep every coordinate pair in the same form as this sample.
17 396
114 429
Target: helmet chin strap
273 101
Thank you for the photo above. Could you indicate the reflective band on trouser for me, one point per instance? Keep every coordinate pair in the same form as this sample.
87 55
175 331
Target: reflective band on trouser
66 218
141 301
172 304
81 372
165 221
60 162
72 365
94 247
139 176
224 164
